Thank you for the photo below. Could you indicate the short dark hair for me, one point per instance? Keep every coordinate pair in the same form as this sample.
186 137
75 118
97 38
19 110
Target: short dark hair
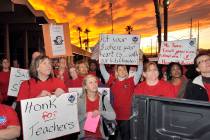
196 58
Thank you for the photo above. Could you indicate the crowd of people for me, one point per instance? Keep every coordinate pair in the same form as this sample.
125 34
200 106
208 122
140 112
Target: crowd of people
55 76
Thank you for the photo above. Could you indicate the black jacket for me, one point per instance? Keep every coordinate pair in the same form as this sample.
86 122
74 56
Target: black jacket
195 90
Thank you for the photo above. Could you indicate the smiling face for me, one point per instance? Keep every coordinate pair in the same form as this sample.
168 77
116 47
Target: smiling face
151 72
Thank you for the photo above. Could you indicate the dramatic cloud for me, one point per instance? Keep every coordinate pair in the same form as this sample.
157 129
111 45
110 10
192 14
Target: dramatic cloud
95 15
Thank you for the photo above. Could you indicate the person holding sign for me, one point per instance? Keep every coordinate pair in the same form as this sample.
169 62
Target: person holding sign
91 103
4 80
9 123
42 82
152 86
122 88
199 88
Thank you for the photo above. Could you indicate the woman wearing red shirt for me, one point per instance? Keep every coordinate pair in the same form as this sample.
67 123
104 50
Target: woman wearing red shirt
9 123
42 83
82 71
176 78
4 80
62 72
152 86
91 101
122 88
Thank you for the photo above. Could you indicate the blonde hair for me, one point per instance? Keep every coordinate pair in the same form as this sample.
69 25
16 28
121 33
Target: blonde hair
84 82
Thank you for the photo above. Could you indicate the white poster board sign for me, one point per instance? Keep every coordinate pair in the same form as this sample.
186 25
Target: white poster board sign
57 40
102 90
182 51
17 76
119 49
49 117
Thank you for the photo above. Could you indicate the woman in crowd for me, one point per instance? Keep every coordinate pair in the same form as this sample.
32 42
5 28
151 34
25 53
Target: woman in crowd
42 82
122 88
4 80
82 71
176 78
152 86
62 71
9 123
91 101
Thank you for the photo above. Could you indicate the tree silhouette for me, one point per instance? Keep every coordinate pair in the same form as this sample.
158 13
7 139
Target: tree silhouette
79 29
129 29
87 39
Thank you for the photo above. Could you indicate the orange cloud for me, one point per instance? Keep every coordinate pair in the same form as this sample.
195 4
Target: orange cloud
95 15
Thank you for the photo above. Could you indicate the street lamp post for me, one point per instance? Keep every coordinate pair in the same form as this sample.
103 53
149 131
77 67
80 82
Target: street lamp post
165 10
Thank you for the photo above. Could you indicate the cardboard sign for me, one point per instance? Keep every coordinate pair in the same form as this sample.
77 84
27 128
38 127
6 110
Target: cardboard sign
182 51
57 40
119 49
49 117
101 90
17 76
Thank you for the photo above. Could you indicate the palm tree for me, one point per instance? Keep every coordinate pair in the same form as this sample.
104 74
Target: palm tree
86 42
87 39
158 22
79 29
129 29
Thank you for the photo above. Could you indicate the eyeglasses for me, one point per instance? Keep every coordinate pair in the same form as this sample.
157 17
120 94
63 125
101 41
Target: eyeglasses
204 61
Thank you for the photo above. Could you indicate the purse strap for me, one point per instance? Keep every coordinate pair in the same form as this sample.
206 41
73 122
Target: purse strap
103 106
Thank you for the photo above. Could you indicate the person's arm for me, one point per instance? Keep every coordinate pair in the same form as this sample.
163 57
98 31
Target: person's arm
138 73
104 73
11 132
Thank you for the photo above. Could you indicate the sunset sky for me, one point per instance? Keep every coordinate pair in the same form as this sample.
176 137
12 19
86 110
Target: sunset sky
140 14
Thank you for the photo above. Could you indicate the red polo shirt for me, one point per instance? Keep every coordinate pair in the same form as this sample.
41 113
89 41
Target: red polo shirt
8 117
122 92
162 89
32 88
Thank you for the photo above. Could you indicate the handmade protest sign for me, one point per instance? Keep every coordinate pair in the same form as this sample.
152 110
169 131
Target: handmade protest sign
57 40
181 51
102 90
49 117
119 49
17 76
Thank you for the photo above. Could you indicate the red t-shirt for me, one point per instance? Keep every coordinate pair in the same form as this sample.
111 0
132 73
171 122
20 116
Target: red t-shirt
8 117
90 107
4 83
32 88
76 83
162 89
207 86
122 92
